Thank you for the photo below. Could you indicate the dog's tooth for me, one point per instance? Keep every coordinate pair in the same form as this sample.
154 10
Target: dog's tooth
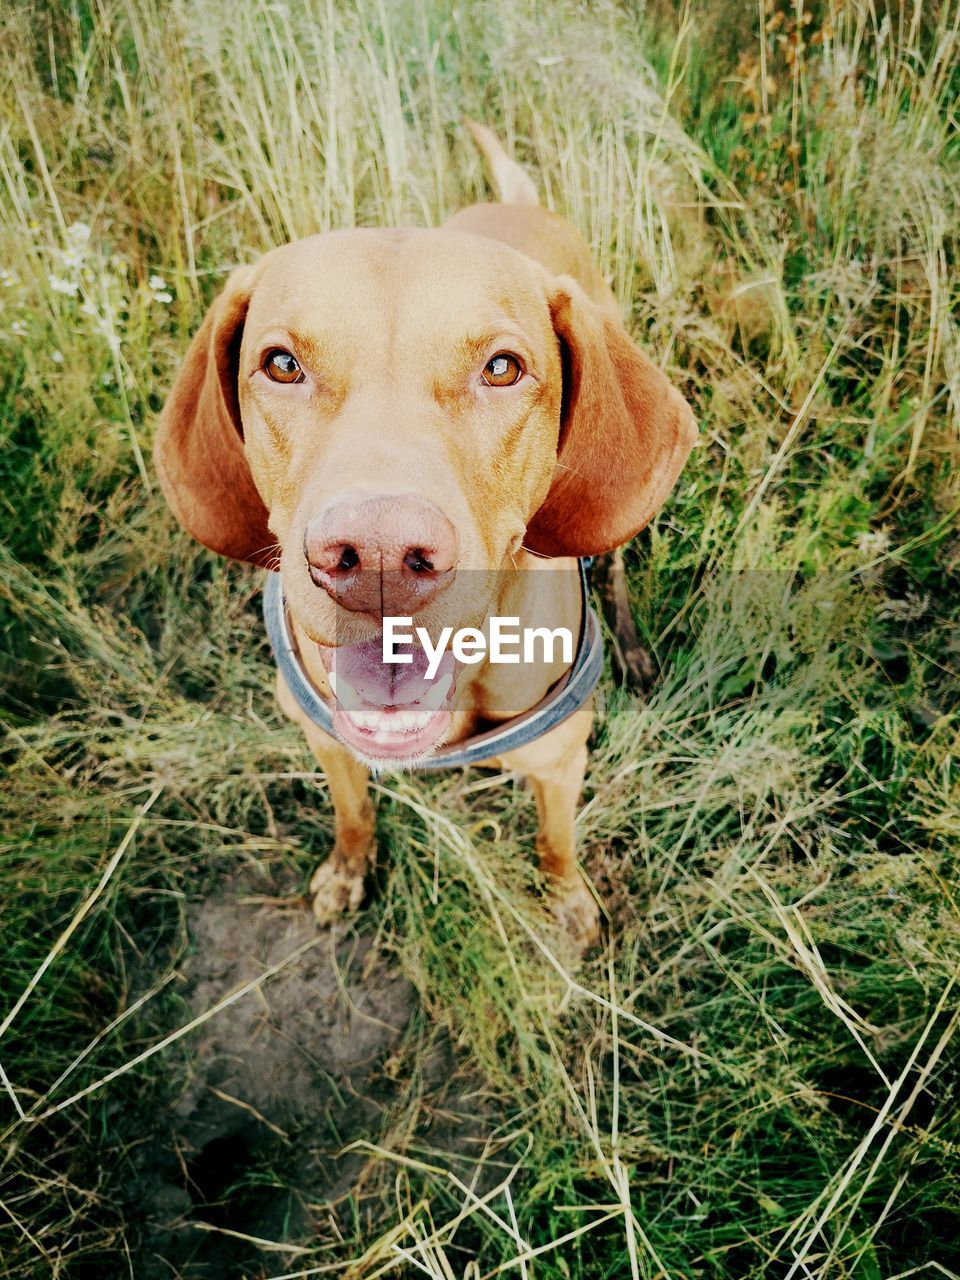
434 699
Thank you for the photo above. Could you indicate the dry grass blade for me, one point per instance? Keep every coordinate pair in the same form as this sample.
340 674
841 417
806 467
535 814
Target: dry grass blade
82 912
231 997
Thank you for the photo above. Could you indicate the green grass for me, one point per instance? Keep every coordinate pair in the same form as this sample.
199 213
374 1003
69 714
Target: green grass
757 1073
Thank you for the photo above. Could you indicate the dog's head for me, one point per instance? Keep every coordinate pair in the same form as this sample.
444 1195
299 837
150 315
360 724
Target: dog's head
386 411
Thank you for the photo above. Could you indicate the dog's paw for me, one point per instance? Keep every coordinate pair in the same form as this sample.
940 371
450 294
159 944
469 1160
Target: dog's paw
575 908
335 890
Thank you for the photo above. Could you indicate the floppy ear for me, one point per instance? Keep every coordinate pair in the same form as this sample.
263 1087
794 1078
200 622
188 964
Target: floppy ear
625 433
198 451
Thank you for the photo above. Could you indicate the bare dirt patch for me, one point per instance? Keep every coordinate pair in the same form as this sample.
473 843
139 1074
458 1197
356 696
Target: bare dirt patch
279 1083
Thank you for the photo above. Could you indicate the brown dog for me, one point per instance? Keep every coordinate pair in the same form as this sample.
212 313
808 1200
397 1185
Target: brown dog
380 412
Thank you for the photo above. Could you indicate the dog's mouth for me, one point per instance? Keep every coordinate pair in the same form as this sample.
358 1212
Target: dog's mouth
389 712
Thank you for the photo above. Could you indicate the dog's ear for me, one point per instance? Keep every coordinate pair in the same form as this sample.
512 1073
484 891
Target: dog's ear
198 451
625 433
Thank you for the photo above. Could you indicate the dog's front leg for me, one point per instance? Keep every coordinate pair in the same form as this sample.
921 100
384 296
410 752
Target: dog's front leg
338 883
555 765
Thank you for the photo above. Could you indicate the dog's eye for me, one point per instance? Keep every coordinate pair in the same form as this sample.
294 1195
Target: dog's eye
282 366
503 370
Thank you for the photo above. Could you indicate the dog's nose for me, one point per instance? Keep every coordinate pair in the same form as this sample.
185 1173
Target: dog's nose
388 556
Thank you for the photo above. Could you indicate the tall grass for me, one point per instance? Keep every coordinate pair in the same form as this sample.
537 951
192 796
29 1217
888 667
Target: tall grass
756 1074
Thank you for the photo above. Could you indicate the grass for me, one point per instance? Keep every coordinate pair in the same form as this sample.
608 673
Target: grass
757 1073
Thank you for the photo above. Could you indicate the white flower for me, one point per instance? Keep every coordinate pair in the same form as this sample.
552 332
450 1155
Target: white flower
78 233
18 327
873 542
107 379
56 357
88 308
59 285
8 278
158 287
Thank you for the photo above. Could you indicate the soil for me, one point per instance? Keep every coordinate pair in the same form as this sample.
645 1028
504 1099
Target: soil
279 1082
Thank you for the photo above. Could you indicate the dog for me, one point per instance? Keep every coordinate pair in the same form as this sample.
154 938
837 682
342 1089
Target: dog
380 414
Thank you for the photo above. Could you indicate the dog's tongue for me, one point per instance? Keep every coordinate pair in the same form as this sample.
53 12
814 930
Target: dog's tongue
384 684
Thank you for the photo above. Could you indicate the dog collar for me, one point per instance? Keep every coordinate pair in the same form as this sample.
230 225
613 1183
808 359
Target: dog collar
565 697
